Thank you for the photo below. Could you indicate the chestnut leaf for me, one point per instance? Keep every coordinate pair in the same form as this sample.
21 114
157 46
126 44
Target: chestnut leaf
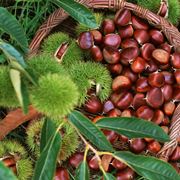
78 11
149 167
108 176
82 171
90 131
6 173
133 128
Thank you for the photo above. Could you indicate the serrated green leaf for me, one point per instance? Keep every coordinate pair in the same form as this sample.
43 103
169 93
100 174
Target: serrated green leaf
90 131
46 132
46 164
10 25
12 54
6 173
2 59
20 89
133 128
78 11
148 167
108 176
82 171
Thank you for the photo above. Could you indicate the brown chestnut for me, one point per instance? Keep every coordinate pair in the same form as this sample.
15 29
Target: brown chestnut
142 85
114 113
176 93
108 106
175 60
156 36
112 40
145 112
61 174
165 121
131 75
96 54
169 78
137 145
122 17
93 105
175 155
97 36
118 164
158 117
146 51
125 174
138 100
139 23
151 67
126 31
126 113
138 65
115 69
156 79
105 161
97 118
121 82
166 47
110 135
85 40
154 147
111 56
166 129
177 76
161 56
169 108
167 91
76 159
155 98
141 36
130 42
108 26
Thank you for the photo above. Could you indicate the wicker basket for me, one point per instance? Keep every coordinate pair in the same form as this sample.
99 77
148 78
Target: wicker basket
168 29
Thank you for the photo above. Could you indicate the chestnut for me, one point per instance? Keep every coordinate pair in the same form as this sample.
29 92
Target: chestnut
145 112
161 56
85 40
128 55
126 31
166 129
61 174
137 145
138 65
169 78
105 161
158 117
126 113
110 135
111 56
122 17
97 36
61 51
139 23
108 106
166 47
93 105
76 159
129 42
155 98
146 51
112 40
121 82
151 67
141 36
176 166
169 108
118 164
125 174
164 66
123 138
156 36
129 74
175 155
96 54
154 147
165 121
142 85
175 60
97 118
156 79
114 113
177 76
176 93
108 26
93 163
138 100
167 91
115 69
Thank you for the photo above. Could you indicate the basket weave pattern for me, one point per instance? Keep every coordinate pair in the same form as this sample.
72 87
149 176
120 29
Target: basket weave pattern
159 22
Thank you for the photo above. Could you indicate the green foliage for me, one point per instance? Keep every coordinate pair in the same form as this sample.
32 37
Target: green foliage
52 42
55 96
82 172
43 64
6 173
174 8
78 11
69 138
23 164
88 74
7 94
82 28
46 164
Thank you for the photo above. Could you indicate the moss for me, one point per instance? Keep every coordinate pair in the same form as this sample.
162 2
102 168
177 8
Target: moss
55 96
69 139
7 93
85 75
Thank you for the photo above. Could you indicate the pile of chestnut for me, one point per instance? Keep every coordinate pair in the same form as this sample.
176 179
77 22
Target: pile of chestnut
146 78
